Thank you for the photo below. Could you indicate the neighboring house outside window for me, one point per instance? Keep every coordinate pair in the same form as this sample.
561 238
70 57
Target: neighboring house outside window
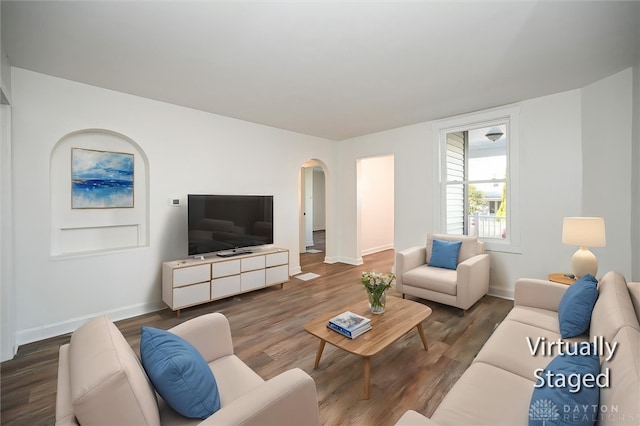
477 182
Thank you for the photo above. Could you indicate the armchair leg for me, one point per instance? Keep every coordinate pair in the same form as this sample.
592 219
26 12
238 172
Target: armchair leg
403 295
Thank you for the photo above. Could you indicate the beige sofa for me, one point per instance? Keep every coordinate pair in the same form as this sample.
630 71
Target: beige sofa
101 381
497 388
461 287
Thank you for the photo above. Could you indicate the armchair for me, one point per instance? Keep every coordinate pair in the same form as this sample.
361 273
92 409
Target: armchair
101 381
460 287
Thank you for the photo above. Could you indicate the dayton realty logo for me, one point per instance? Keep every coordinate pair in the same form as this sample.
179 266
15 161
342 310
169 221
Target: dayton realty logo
543 410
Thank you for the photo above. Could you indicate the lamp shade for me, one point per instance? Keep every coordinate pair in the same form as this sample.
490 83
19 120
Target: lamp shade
584 231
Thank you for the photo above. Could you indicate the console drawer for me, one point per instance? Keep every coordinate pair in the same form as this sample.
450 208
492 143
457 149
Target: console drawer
252 263
221 287
190 295
223 269
252 280
275 259
191 275
277 274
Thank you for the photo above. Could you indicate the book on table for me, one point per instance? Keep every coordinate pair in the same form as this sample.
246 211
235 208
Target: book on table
350 324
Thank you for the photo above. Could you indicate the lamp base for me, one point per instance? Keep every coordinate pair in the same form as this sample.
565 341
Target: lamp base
584 262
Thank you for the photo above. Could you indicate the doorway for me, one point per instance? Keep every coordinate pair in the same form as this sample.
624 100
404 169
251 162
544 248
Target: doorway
313 207
375 205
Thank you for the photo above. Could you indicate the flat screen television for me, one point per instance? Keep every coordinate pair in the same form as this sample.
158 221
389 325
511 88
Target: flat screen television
228 224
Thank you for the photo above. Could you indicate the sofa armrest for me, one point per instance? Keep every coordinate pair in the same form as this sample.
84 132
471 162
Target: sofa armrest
407 260
413 418
210 334
288 398
537 293
473 279
64 408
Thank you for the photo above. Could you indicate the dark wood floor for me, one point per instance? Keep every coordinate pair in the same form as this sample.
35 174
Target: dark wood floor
268 334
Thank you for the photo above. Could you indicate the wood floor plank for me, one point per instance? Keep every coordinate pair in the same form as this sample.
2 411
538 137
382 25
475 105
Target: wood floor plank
268 334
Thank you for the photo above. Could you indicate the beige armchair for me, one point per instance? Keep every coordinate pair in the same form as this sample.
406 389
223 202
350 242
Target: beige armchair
461 287
101 381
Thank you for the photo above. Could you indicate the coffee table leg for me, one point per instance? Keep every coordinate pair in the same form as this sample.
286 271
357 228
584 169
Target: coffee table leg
422 337
367 377
319 354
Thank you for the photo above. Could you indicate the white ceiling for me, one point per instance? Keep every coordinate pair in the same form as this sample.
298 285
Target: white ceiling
332 69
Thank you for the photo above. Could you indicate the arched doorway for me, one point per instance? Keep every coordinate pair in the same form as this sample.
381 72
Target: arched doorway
314 223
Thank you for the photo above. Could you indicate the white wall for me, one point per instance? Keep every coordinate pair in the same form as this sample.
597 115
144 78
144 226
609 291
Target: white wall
188 151
412 178
551 180
192 151
635 176
375 192
7 308
607 165
319 197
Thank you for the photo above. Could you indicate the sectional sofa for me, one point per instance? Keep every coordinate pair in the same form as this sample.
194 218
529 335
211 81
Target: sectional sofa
497 388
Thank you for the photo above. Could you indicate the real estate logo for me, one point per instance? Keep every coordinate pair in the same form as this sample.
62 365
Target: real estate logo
543 410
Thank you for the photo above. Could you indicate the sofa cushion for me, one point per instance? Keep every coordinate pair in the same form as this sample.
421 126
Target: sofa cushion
480 397
621 398
444 254
537 317
519 348
557 400
179 373
108 384
576 305
440 280
634 293
613 309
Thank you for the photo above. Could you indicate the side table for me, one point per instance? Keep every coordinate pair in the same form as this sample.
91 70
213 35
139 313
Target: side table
559 277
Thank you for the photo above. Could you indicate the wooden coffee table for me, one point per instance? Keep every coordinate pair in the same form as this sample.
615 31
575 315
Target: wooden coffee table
399 317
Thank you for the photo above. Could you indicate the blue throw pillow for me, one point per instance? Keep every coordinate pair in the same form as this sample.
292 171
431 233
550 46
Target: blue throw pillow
571 404
576 305
179 373
444 254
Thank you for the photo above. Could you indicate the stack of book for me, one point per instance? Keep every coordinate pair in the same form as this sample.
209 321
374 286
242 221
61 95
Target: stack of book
350 324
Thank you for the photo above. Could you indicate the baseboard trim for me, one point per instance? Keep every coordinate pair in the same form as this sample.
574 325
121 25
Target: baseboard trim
377 249
346 260
57 329
502 293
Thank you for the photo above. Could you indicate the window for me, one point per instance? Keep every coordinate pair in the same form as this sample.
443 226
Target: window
476 158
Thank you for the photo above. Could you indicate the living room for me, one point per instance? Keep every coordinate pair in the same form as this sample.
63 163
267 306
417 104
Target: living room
579 155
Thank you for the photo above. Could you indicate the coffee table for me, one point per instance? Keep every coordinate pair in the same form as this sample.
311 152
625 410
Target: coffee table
399 317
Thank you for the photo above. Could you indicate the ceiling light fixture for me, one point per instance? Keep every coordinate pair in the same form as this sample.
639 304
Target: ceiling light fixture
494 134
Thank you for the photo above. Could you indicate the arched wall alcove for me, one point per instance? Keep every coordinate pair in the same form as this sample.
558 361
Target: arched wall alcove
113 225
328 202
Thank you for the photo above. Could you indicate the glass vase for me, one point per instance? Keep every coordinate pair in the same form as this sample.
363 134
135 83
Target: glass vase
377 301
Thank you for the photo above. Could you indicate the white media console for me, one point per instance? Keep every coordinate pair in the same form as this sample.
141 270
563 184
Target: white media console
195 281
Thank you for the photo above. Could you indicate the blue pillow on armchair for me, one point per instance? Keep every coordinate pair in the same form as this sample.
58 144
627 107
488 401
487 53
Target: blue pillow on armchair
444 254
576 305
179 373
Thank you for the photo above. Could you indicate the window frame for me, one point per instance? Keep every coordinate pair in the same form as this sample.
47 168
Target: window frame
509 116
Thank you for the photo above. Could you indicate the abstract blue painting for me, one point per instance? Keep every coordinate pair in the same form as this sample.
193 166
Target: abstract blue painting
101 179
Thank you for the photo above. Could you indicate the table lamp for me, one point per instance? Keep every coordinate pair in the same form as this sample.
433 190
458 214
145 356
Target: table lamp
584 232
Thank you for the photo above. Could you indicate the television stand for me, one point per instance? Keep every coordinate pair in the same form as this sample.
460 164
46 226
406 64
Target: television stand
231 253
191 282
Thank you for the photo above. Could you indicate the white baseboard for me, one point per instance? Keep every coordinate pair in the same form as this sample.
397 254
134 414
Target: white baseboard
377 249
52 330
502 293
347 260
295 271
